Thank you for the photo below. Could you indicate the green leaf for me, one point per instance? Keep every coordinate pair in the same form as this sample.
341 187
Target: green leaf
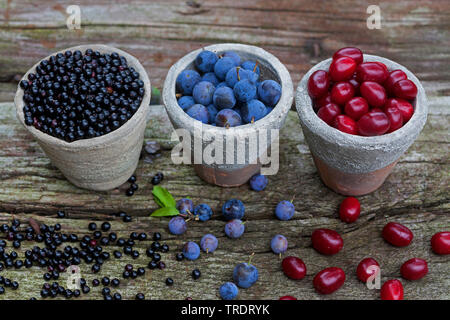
163 197
165 212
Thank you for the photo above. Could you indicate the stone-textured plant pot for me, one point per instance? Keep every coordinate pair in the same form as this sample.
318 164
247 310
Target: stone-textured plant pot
101 163
350 164
228 175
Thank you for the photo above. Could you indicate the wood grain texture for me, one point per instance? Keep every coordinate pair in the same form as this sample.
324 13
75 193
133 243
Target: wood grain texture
415 194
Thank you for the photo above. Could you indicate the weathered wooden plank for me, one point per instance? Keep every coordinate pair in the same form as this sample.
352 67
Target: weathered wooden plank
415 194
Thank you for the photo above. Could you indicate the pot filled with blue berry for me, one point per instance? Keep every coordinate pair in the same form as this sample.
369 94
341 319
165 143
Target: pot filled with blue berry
227 103
87 107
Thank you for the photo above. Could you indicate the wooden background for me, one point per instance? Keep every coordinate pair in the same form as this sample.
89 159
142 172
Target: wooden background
300 33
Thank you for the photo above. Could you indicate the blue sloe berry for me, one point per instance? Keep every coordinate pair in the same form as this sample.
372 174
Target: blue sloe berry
258 182
233 209
186 81
269 92
285 210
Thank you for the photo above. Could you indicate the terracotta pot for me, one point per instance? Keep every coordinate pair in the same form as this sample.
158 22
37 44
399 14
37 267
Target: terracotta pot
236 173
350 164
104 162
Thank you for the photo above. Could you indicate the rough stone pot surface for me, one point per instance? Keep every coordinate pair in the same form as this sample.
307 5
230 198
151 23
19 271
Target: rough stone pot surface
235 173
351 164
101 163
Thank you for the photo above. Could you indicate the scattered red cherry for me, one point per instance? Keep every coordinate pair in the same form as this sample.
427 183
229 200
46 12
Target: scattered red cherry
294 267
373 92
397 234
405 89
328 112
394 76
440 242
327 241
288 298
329 280
364 270
371 71
318 84
373 123
351 52
392 290
356 107
395 118
342 69
414 269
349 210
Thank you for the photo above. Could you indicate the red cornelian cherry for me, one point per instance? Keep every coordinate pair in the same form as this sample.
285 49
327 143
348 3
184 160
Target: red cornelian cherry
342 69
294 267
406 108
394 76
373 92
355 85
414 269
287 298
352 52
366 269
397 234
319 103
373 124
392 290
329 280
405 89
395 118
349 210
371 71
356 107
327 241
440 242
342 92
328 112
318 84
345 124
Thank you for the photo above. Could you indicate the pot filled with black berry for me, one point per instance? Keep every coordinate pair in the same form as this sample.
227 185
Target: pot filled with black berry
227 103
87 107
359 114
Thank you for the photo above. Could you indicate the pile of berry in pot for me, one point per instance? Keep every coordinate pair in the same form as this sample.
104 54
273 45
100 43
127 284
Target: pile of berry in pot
361 98
225 91
73 96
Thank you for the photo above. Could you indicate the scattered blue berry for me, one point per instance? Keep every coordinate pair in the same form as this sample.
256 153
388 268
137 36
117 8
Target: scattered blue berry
244 90
191 250
209 243
211 77
222 66
205 61
253 111
279 244
285 210
198 112
245 275
228 291
185 206
203 93
258 182
177 225
233 209
186 81
234 229
269 92
228 118
185 102
234 56
224 98
203 212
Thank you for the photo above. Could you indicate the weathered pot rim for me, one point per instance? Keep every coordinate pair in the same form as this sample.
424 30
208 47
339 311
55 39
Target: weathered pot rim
279 111
91 143
310 119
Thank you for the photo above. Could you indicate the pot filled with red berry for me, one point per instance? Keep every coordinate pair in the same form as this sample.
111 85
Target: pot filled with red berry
87 107
227 103
359 113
